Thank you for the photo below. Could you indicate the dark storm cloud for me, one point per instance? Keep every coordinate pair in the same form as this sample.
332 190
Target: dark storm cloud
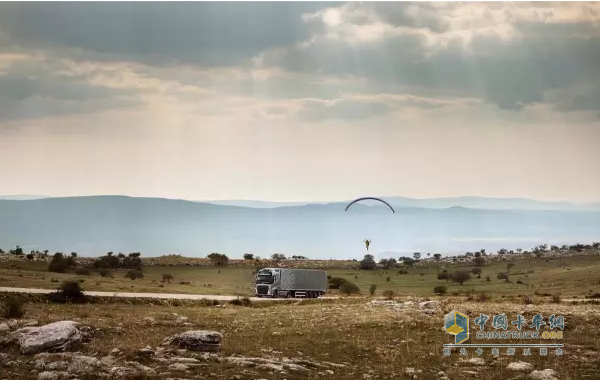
207 33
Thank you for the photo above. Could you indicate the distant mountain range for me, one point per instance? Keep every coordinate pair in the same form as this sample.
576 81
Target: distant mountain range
97 224
439 203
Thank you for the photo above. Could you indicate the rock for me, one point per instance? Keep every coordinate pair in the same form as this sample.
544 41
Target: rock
329 372
48 376
57 336
84 365
181 320
409 371
474 362
149 320
115 351
547 374
108 361
178 367
146 352
4 327
196 340
519 366
429 304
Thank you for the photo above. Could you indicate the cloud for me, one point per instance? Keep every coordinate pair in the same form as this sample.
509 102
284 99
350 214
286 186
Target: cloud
509 54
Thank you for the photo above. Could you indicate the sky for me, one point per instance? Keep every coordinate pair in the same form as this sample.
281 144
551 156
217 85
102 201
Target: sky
303 101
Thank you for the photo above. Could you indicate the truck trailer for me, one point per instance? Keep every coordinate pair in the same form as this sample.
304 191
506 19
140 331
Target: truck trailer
290 283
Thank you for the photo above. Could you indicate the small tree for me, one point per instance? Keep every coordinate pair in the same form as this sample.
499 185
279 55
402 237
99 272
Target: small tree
389 294
368 262
167 277
278 257
248 256
349 288
134 275
13 307
372 289
30 256
479 261
218 258
440 290
476 271
387 263
69 291
417 256
437 256
461 276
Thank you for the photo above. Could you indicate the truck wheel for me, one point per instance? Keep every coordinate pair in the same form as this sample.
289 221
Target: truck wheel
289 294
275 294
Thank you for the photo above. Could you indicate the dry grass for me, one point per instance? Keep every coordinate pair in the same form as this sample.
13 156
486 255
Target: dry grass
376 341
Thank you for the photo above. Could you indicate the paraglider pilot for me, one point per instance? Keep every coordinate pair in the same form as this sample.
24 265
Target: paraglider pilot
367 243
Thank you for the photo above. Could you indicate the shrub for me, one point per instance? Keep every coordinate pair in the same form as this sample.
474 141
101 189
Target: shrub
479 261
556 298
389 294
13 307
372 289
134 274
241 301
368 263
68 292
82 271
527 300
461 276
167 277
483 297
487 278
443 276
402 271
440 290
104 272
30 256
349 288
387 279
60 263
336 282
503 276
476 271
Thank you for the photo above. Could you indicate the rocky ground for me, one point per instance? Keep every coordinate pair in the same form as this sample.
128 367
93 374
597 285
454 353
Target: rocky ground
343 339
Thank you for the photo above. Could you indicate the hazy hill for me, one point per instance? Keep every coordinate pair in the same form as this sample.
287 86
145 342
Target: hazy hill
93 225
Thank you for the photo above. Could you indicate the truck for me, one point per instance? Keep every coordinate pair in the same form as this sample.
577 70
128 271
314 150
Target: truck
290 283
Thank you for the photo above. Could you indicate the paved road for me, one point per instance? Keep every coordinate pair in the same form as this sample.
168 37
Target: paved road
171 296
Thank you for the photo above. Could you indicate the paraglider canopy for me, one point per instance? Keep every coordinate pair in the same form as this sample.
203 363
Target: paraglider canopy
371 198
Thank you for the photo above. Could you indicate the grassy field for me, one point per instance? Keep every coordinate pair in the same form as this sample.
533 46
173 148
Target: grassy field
365 342
569 276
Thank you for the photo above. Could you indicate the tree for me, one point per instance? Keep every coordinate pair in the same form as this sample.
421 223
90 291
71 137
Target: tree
437 256
60 263
476 271
218 258
479 261
417 256
482 252
477 254
502 251
30 256
248 256
349 288
17 251
461 276
167 277
428 254
74 255
387 263
503 276
440 290
278 257
368 262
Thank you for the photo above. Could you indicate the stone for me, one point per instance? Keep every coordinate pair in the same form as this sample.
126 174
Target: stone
474 362
4 327
57 336
519 366
149 320
196 340
48 376
178 367
429 304
547 374
84 365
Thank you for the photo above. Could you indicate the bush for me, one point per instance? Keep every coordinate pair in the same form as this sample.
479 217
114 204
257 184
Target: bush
372 289
68 292
487 278
166 277
336 282
82 271
60 263
13 307
349 288
527 300
461 276
483 297
104 272
368 263
241 301
389 294
503 276
134 274
440 290
556 298
402 271
476 271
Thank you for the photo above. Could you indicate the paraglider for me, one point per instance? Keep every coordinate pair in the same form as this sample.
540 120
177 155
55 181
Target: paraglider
365 198
367 243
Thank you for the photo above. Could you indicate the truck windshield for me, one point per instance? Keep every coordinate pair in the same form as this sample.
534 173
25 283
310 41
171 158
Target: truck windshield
264 277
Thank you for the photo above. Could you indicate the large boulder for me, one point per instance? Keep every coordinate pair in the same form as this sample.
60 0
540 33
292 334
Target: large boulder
196 340
57 336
